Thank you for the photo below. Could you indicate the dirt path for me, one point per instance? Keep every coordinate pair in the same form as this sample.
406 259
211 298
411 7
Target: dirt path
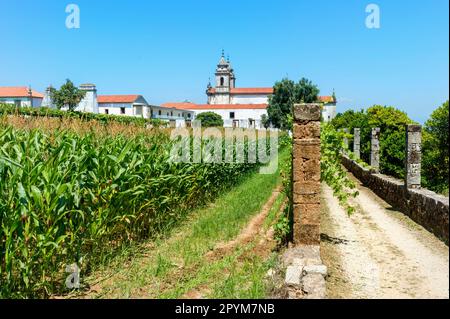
257 239
248 234
380 253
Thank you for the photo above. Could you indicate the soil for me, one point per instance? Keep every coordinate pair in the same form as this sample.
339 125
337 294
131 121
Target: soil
380 253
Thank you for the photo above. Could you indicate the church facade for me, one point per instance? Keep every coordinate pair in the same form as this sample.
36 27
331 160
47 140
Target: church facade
241 107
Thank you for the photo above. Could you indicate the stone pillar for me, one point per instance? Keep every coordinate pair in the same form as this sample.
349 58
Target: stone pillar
375 149
357 143
346 131
306 174
413 156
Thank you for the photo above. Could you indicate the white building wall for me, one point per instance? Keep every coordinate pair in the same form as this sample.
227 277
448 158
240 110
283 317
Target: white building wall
115 109
166 113
24 101
220 99
329 112
242 116
249 99
89 103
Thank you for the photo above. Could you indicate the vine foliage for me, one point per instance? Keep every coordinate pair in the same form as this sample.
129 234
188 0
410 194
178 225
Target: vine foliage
332 172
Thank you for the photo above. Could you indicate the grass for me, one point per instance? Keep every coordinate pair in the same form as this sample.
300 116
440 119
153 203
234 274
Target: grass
171 267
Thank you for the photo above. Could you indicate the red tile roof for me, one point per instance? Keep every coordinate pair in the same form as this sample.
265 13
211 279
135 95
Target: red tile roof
18 91
267 91
117 98
246 91
179 105
251 91
192 106
326 99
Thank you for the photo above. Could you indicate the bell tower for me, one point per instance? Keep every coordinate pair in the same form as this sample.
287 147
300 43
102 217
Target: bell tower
224 82
223 75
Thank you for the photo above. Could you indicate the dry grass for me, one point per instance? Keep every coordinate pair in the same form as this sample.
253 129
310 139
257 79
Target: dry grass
79 126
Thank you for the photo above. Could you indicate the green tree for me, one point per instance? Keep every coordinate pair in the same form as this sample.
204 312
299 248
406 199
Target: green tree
435 153
67 96
391 122
210 119
286 93
306 92
265 121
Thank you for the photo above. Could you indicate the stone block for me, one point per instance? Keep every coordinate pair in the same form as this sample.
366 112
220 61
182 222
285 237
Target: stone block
306 187
306 234
293 275
314 286
308 130
307 112
306 148
414 128
307 213
306 198
315 269
307 171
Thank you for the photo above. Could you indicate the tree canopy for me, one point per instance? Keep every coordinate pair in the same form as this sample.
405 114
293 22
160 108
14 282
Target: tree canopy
391 122
286 93
435 153
67 96
210 119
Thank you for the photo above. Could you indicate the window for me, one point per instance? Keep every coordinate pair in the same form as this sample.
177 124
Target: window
222 81
138 110
189 115
232 115
122 110
171 113
159 113
106 111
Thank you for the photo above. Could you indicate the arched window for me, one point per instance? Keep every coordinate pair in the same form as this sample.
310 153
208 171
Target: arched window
222 81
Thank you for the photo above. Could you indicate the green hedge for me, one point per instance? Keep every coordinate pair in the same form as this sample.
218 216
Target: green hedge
9 109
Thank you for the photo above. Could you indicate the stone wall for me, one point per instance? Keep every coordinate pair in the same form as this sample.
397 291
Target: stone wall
427 208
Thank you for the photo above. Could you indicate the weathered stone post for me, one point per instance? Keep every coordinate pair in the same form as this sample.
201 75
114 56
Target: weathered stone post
413 156
346 131
375 149
357 143
306 174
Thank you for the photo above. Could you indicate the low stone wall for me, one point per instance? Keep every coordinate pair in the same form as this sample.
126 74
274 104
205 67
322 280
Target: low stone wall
427 208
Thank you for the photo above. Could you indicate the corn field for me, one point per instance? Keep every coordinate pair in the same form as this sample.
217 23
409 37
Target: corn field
67 198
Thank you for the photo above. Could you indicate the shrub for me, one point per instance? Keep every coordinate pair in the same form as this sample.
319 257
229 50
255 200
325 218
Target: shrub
435 157
391 122
8 109
210 119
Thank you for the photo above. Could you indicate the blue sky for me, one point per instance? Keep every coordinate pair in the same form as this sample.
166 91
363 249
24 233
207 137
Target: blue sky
167 50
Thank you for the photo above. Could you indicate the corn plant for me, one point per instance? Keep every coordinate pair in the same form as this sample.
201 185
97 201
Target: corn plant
70 198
